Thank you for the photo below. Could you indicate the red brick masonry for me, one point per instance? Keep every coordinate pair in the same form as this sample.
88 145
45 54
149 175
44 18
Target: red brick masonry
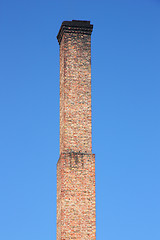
76 196
76 218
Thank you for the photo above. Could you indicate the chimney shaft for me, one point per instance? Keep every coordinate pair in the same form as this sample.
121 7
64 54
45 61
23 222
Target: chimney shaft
76 218
74 38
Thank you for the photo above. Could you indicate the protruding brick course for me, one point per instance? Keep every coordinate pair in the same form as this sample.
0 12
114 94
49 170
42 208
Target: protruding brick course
76 166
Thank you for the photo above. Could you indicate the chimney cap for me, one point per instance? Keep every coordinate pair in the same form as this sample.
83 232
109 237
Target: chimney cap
80 26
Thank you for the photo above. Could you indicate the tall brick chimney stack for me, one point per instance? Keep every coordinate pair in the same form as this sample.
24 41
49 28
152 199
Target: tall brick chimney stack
76 218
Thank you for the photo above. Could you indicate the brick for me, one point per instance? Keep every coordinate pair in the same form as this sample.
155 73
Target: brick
76 212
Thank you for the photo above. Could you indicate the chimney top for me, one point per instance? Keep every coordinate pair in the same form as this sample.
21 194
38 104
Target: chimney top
77 26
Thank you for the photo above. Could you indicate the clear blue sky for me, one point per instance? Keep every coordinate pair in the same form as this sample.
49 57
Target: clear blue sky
126 116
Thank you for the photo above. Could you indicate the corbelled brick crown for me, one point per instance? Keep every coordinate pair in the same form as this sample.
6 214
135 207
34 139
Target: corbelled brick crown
74 26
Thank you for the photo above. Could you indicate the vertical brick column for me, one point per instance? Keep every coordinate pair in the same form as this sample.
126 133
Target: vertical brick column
76 166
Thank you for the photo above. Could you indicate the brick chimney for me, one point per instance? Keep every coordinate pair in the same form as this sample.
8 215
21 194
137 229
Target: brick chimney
76 217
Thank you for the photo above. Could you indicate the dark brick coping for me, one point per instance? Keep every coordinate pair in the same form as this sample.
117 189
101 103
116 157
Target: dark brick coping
75 26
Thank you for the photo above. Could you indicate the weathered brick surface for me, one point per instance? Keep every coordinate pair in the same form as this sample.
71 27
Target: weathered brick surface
75 92
76 166
76 196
